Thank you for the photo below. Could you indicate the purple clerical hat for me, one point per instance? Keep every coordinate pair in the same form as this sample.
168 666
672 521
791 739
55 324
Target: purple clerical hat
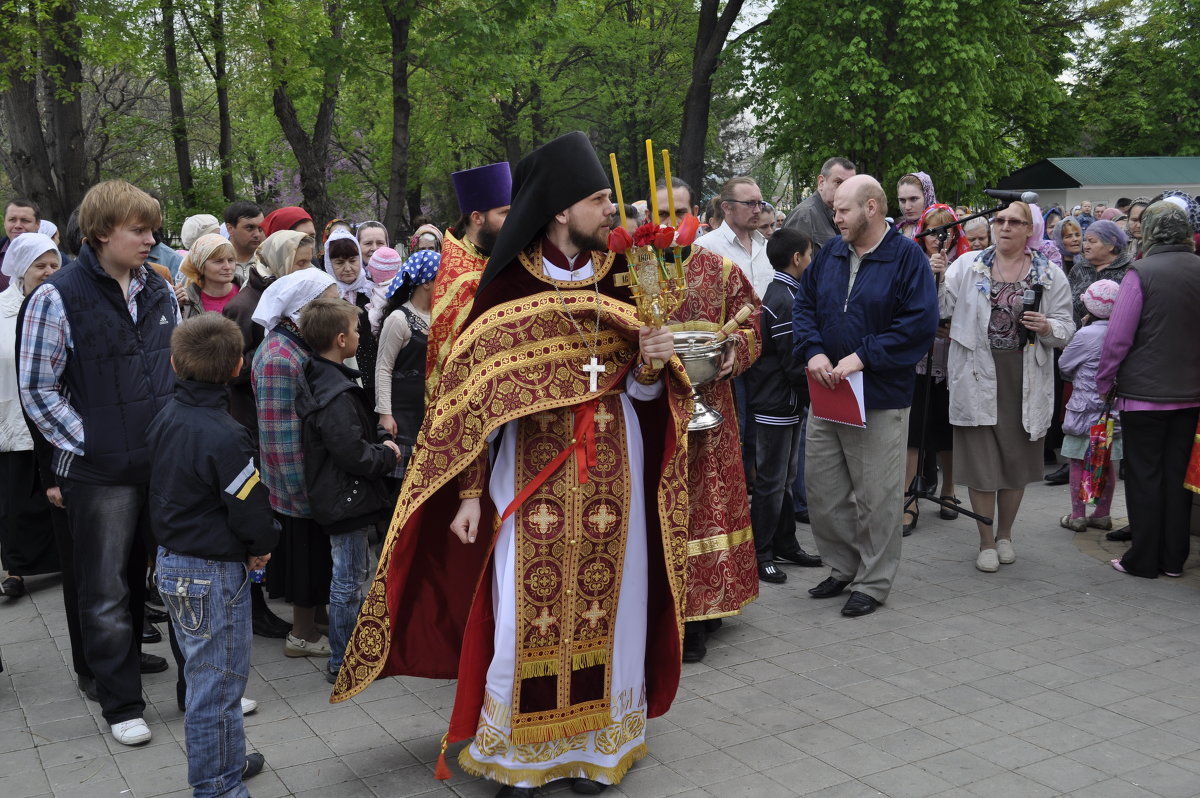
483 188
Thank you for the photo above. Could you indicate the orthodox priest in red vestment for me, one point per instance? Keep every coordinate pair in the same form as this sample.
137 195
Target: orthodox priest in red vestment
722 564
539 546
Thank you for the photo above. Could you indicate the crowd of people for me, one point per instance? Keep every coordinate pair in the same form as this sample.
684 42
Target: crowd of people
259 412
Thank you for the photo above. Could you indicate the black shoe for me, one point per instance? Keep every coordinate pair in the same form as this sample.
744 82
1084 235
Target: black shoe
13 587
800 557
150 634
87 685
152 664
712 624
802 516
254 765
694 637
767 572
268 624
588 787
515 792
948 513
828 589
154 615
859 604
1124 534
152 596
915 512
1060 477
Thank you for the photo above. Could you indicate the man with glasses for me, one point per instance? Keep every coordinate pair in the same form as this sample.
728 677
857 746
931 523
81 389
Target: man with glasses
739 238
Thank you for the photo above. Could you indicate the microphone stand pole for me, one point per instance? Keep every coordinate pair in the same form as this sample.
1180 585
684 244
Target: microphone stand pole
919 488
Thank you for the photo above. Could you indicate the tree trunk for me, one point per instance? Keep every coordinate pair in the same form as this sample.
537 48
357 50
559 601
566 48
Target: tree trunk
27 160
179 132
225 127
399 21
312 152
711 32
65 110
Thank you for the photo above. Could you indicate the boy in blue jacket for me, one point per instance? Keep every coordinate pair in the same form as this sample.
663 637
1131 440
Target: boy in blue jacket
213 522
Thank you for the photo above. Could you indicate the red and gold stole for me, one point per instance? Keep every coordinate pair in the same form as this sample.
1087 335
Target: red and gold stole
453 292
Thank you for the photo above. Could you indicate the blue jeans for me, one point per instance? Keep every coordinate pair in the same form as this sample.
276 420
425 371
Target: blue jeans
209 604
108 524
345 590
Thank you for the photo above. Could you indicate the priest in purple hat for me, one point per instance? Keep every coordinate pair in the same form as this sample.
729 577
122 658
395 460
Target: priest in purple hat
484 194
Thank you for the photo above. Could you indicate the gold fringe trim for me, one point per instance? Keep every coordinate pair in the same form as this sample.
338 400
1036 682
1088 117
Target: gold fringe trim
544 732
531 669
588 659
540 778
721 542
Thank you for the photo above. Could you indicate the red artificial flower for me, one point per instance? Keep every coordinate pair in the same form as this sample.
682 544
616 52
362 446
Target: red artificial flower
619 240
644 235
664 236
689 225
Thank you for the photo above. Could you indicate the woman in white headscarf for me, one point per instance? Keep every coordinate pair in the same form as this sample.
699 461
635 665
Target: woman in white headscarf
302 563
26 534
343 262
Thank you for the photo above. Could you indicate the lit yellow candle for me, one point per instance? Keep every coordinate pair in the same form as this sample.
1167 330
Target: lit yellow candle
667 179
612 160
653 190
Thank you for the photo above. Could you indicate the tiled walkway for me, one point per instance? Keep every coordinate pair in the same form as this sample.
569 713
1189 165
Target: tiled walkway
1055 676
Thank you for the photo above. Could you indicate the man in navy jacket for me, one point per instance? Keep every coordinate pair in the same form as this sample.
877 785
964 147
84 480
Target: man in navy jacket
868 303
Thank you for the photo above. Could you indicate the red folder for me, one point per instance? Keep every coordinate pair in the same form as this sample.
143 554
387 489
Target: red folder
842 405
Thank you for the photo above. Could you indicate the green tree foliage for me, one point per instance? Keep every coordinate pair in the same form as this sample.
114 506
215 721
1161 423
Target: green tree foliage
1137 91
957 88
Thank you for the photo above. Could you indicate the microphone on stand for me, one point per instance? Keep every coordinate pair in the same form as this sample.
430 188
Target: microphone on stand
1028 197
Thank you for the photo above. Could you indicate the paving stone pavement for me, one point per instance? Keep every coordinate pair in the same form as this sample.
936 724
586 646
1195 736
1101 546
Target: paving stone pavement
1055 676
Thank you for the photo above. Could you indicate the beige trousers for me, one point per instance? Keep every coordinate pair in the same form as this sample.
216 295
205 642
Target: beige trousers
855 483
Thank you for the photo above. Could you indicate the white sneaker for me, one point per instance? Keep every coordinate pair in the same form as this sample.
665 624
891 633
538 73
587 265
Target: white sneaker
131 732
249 706
1004 551
988 561
299 647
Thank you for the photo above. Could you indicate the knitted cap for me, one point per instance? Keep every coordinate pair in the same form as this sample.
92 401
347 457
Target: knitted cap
384 264
1099 298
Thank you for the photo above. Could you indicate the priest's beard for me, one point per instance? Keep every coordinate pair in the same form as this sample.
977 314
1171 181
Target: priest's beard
589 241
486 237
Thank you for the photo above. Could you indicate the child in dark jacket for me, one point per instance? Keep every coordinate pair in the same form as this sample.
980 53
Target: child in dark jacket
344 462
213 523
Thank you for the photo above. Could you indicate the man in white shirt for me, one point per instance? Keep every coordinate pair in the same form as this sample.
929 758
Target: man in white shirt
738 238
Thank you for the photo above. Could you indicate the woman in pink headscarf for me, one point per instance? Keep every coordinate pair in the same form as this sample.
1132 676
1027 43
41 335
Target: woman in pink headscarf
914 193
931 385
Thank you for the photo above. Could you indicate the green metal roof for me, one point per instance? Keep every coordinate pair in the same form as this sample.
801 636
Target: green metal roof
1076 172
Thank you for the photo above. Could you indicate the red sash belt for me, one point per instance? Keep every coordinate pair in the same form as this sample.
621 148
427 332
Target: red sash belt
583 444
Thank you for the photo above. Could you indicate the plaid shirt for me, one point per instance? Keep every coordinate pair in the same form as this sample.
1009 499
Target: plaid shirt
278 370
46 345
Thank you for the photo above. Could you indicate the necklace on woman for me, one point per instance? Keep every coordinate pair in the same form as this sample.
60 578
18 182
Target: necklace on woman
999 273
593 368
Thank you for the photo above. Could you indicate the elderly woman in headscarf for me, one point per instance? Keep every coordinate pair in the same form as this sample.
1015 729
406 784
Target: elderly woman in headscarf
1104 258
1068 240
400 370
1001 371
427 236
914 193
282 253
1133 225
302 564
26 535
343 262
211 280
1150 354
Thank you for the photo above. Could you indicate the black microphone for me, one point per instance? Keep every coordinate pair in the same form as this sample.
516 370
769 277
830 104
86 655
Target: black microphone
1031 300
1028 197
